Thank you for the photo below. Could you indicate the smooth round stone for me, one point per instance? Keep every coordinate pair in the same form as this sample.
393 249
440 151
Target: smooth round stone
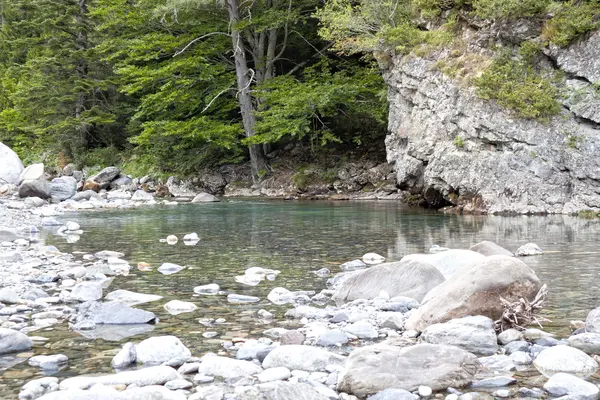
509 335
425 391
565 359
372 258
178 384
72 226
172 239
521 358
175 307
274 374
333 337
241 299
587 342
48 362
203 379
562 384
210 289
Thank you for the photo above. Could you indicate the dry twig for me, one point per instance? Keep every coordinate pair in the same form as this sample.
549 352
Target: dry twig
521 313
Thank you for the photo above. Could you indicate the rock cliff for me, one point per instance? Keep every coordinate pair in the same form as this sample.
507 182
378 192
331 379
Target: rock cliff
450 147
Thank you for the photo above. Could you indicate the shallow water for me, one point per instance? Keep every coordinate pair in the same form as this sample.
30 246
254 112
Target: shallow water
296 238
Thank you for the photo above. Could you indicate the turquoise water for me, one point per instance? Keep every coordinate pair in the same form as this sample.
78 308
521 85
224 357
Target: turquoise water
296 238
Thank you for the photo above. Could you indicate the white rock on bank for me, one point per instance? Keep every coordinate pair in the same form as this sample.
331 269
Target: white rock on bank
305 358
162 349
565 359
175 307
562 384
373 258
227 367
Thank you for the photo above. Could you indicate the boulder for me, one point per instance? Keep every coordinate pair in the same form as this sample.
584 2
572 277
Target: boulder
587 342
102 179
592 322
449 262
473 334
562 384
205 198
281 391
12 341
179 188
33 182
140 195
553 360
125 357
411 278
63 188
113 313
305 358
374 368
87 291
529 249
488 248
10 165
158 375
162 349
476 292
227 367
131 298
122 182
38 387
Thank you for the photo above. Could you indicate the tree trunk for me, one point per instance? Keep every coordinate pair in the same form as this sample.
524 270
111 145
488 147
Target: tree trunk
257 160
81 43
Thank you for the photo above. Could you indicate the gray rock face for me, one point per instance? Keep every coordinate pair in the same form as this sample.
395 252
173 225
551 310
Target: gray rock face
374 368
488 248
204 198
566 359
12 341
113 313
587 342
473 334
162 349
562 384
476 291
305 358
405 278
33 183
449 262
507 164
10 165
63 188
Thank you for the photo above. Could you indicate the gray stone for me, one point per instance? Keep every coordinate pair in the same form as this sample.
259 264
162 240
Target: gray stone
63 188
473 334
131 298
353 265
580 58
562 384
241 299
529 249
12 341
10 166
113 312
125 357
449 262
281 391
405 278
33 182
588 342
175 307
38 387
8 235
494 382
170 268
9 296
51 362
102 179
375 368
567 359
87 291
292 337
204 198
592 322
362 330
209 289
305 358
509 335
497 363
332 337
521 358
393 394
140 195
518 345
226 367
122 182
488 248
476 291
162 349
274 374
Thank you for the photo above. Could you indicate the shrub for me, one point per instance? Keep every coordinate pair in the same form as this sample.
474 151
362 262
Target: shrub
572 20
509 9
518 87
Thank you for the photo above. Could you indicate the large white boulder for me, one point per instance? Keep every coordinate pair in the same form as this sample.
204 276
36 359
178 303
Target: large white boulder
10 165
449 262
565 359
33 183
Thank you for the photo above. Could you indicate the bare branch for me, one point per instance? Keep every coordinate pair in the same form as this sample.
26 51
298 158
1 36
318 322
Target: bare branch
214 98
200 38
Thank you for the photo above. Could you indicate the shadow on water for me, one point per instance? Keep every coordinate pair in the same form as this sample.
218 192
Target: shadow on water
296 238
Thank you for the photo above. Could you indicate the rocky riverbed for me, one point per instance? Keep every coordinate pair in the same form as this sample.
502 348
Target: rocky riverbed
423 327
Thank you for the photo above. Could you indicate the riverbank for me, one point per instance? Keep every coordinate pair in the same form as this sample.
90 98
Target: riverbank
318 350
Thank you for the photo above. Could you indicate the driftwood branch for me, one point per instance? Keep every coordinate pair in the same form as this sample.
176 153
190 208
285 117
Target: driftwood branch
521 313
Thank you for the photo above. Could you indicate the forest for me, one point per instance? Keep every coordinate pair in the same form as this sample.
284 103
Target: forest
174 86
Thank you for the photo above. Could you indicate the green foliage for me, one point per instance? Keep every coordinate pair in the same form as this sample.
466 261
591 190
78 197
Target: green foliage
571 20
434 8
459 142
588 214
509 9
516 85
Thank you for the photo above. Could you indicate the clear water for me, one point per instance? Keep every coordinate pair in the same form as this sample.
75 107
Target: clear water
296 238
